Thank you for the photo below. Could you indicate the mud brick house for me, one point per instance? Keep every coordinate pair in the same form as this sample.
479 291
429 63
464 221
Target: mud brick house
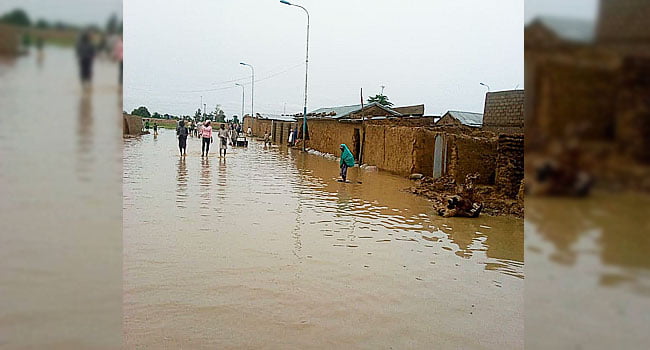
461 119
279 126
504 112
588 81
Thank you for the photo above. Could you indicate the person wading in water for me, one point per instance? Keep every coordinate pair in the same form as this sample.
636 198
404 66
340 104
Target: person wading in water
347 160
206 135
181 132
223 139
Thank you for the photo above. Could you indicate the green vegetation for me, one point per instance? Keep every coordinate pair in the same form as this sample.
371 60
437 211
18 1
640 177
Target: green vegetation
381 99
16 17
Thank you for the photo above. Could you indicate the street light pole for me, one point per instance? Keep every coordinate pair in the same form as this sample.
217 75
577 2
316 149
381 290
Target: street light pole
204 108
252 93
486 85
304 111
242 101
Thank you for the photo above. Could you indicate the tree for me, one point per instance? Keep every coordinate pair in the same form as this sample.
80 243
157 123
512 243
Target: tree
112 25
16 17
156 115
42 24
197 115
235 119
219 115
142 111
381 99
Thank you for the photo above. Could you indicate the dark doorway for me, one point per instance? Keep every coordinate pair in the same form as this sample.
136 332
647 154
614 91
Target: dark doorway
356 143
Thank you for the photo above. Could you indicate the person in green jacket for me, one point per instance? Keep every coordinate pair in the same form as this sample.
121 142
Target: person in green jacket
347 160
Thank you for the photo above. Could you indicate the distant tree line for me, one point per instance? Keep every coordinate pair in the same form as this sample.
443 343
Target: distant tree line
218 115
20 18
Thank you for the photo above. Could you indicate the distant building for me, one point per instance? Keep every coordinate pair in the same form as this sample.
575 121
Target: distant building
458 118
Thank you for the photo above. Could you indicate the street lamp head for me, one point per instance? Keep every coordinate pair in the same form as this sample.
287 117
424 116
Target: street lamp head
243 64
482 84
285 2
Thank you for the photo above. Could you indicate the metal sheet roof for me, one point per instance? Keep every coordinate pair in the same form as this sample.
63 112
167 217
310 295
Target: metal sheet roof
344 111
284 118
468 118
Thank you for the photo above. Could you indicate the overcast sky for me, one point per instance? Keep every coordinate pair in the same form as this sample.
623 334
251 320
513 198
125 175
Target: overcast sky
430 51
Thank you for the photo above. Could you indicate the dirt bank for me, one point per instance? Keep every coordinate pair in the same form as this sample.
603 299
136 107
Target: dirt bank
495 202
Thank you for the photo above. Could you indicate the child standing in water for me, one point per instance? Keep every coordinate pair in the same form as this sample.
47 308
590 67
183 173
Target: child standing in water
347 160
223 139
206 136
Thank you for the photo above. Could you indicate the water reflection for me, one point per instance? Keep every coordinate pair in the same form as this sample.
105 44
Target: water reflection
181 181
85 136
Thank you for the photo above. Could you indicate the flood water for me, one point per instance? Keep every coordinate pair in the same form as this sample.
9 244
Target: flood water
266 250
588 272
60 196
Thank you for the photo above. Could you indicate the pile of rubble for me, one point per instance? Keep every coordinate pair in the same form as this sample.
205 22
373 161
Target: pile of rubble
494 202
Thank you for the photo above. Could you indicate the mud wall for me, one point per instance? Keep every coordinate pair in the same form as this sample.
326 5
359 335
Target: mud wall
399 149
403 121
510 164
326 135
132 124
633 110
9 39
471 154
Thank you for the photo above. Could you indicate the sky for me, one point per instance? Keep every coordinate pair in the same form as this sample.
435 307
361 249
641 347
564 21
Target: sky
430 51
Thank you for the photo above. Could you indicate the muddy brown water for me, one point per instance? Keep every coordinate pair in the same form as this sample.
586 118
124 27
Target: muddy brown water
588 272
60 204
266 250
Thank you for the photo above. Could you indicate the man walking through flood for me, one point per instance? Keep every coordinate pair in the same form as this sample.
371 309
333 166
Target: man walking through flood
85 56
347 160
206 137
181 132
223 139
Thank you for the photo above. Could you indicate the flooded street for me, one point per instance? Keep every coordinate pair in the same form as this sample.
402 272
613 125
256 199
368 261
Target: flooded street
266 250
60 181
587 272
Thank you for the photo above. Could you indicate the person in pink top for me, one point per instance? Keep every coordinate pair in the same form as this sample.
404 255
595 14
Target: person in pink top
206 136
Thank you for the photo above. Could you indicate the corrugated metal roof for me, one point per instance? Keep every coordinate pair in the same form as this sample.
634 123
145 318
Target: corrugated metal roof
570 29
285 118
468 118
340 111
344 111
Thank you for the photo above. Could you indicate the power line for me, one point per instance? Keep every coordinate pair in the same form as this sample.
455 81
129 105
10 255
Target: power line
225 82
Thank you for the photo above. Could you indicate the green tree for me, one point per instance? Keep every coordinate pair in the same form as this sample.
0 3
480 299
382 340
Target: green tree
381 99
235 119
42 24
219 115
16 17
112 26
197 115
156 115
142 111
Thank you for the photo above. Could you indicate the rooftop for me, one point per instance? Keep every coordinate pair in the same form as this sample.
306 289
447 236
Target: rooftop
467 118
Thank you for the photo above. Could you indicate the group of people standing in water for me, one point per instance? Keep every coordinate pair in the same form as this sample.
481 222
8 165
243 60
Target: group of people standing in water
205 132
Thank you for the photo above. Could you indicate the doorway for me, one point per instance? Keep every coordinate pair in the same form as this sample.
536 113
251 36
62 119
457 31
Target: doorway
356 144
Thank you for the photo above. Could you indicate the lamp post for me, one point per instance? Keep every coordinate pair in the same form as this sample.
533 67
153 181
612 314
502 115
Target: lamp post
242 101
252 93
304 112
486 85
